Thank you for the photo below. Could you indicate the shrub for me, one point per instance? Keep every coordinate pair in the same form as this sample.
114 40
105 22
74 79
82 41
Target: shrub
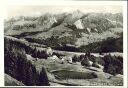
113 64
85 62
74 58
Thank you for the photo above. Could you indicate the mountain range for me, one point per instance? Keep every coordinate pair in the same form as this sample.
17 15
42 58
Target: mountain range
76 29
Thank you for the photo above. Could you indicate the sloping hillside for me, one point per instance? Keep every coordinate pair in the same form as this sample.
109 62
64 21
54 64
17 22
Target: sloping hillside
17 66
20 54
10 81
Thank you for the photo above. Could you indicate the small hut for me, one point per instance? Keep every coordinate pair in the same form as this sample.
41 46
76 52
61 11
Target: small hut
49 51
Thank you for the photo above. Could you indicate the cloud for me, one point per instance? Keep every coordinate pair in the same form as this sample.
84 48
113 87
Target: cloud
38 10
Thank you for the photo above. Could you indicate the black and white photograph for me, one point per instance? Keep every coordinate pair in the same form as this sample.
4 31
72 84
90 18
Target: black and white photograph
64 45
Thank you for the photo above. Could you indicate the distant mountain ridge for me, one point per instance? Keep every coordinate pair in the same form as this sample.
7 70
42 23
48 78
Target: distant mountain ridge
47 20
76 28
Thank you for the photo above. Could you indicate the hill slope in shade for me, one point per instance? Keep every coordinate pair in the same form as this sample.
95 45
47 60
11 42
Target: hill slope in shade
9 81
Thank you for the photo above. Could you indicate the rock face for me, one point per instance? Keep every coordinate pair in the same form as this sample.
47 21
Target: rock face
88 30
79 24
24 25
72 17
47 20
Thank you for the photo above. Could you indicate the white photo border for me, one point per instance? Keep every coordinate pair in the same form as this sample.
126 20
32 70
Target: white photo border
5 4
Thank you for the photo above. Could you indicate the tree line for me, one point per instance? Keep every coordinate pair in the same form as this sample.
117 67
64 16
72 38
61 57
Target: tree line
17 65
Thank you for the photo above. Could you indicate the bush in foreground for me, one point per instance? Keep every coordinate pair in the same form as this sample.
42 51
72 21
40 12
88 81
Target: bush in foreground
113 64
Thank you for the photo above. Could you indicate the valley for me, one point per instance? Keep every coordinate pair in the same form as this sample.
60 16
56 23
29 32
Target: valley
68 49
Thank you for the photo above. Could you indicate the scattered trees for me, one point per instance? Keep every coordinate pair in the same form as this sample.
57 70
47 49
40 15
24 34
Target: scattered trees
85 62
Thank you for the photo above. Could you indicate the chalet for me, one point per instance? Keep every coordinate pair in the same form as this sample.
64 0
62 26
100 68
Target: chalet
49 51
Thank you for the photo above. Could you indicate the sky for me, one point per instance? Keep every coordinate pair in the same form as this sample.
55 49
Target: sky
33 10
